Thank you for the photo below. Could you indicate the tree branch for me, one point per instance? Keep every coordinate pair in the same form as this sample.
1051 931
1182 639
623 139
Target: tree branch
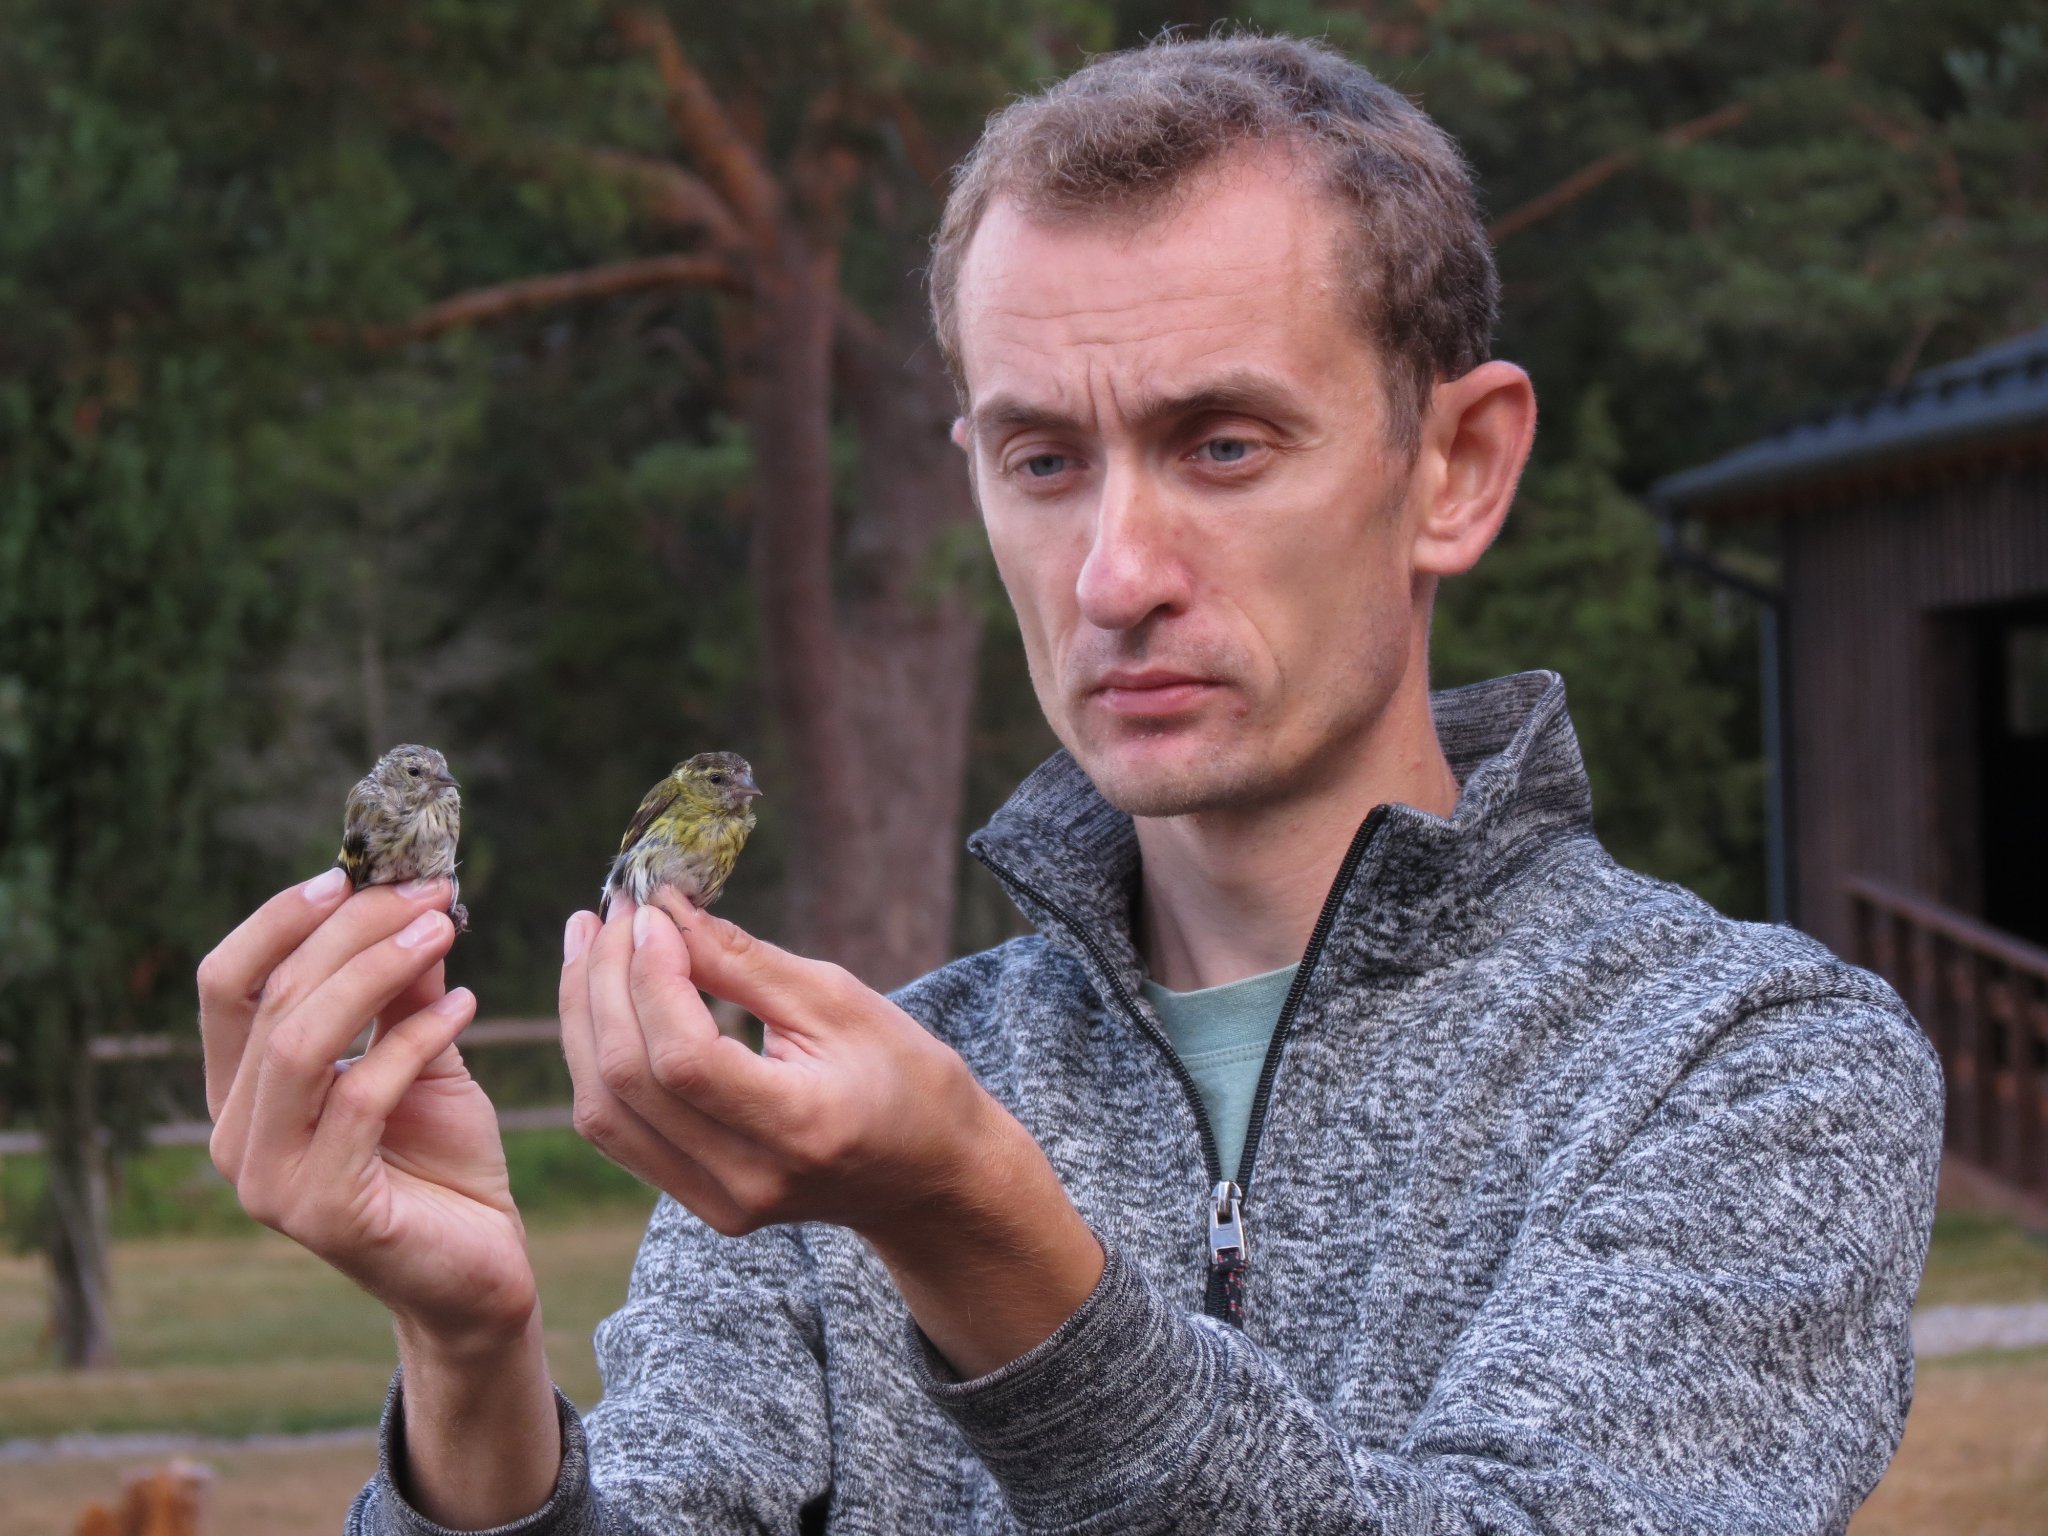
526 295
703 128
917 143
1597 172
658 189
669 193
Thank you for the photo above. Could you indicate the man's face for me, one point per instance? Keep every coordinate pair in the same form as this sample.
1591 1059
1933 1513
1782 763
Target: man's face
1178 446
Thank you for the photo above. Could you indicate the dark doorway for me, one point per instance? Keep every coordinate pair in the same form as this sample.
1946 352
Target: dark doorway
2012 741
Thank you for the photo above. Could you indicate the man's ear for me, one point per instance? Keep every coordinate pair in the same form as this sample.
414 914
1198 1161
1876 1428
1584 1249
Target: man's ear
965 444
1475 440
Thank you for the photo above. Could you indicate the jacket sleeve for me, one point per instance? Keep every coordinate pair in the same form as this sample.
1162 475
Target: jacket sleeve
1708 1333
714 1410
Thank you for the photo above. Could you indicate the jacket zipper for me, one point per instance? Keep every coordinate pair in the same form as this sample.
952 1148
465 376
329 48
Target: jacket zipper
1228 1259
1223 1209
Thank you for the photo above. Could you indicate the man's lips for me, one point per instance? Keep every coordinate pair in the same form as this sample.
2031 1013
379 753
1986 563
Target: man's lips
1149 693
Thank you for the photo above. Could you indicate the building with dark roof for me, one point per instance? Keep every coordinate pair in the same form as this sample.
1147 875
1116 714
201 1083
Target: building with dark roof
1910 730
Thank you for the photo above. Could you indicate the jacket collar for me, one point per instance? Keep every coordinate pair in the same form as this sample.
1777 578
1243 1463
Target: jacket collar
1427 890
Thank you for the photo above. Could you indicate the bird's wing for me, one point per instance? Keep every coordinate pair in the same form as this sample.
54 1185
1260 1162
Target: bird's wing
355 837
659 799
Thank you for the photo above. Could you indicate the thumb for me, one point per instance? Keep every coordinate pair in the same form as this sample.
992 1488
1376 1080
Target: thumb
660 975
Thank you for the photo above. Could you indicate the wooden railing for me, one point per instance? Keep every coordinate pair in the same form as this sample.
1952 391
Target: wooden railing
1982 996
185 1046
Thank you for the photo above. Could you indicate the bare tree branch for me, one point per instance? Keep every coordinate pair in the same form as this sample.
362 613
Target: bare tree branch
1599 171
702 126
528 294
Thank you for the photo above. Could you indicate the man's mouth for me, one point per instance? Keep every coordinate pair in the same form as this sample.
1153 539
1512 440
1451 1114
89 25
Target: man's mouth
1150 692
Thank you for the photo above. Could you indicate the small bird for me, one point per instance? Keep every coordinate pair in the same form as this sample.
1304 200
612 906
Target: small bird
401 823
688 832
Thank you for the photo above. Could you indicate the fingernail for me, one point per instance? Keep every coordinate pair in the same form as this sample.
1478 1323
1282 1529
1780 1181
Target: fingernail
452 1002
421 930
325 886
412 890
572 939
643 925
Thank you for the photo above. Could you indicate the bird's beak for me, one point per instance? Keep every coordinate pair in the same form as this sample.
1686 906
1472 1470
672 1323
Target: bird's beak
446 779
748 787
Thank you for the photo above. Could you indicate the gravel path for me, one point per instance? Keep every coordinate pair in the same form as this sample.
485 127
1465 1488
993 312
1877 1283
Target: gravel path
1956 1330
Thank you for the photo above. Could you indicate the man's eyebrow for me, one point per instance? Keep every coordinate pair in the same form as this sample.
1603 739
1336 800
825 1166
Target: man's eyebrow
1247 391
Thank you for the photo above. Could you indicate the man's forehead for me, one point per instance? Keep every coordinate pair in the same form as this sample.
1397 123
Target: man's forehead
1236 278
1232 226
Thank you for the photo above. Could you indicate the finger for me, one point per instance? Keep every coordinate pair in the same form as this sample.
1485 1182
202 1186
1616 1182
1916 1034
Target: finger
365 918
606 1122
362 1098
616 1043
572 1004
687 1058
295 1069
794 995
373 913
431 986
232 976
623 1064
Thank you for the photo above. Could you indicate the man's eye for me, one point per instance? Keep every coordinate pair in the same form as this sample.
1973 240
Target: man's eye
1228 450
1043 466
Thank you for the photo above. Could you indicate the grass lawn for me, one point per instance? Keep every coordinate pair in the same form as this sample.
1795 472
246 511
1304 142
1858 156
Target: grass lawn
252 1335
1978 1258
225 1328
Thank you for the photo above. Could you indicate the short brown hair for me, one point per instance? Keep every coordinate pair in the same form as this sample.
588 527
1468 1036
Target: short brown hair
1121 135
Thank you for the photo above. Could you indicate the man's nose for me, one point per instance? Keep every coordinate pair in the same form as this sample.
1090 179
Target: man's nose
1133 568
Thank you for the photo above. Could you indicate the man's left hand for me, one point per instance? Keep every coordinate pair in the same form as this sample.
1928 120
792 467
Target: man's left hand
852 1114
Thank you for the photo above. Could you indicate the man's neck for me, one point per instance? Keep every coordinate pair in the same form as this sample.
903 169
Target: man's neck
1223 895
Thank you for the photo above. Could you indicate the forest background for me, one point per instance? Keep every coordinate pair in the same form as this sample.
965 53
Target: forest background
550 382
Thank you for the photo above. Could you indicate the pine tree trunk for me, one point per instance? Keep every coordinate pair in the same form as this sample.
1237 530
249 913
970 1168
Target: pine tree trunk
912 645
871 676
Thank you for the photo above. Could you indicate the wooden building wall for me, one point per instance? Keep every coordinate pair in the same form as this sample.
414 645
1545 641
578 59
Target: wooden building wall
1876 582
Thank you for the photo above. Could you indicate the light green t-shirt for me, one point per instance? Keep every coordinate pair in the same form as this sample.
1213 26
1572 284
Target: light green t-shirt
1221 1035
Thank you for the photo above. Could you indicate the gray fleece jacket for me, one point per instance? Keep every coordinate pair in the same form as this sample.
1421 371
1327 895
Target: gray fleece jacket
1570 1206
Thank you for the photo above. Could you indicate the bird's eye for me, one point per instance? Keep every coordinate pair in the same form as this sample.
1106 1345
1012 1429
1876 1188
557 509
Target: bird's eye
718 778
412 770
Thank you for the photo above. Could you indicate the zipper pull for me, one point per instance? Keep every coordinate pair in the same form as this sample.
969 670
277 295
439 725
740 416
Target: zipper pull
1228 1255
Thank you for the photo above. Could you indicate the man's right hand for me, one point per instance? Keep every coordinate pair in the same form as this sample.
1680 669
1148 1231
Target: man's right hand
390 1168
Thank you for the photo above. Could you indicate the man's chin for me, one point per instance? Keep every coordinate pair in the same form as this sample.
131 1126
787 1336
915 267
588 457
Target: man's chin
1155 778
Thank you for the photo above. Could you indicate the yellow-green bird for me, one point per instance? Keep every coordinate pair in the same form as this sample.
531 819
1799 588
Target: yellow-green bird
688 832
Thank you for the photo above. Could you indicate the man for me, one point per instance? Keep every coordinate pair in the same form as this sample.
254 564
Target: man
1353 1147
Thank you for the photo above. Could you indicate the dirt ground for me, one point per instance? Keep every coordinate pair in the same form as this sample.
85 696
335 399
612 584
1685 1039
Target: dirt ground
1975 1457
1974 1463
298 1491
